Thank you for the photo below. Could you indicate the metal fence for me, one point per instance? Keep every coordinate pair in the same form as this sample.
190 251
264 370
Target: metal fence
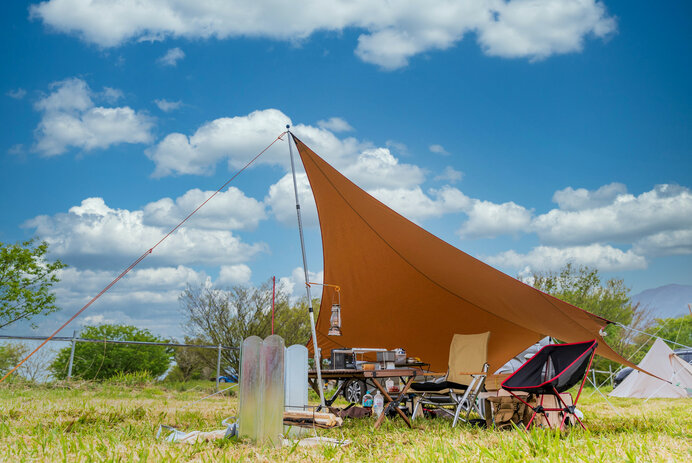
74 340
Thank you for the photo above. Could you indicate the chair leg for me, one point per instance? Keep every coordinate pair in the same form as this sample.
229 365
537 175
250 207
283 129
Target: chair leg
456 414
416 406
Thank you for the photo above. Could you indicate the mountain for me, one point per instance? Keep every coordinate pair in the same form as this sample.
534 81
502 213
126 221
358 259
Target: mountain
666 301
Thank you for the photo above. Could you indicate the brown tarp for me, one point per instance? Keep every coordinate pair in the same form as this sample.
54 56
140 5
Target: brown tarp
403 287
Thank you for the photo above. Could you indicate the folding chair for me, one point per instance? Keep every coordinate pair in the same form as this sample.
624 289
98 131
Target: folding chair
554 369
459 389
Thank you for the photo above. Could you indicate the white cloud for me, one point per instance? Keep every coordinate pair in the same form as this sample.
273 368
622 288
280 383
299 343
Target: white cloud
570 199
71 119
17 94
546 258
392 32
167 106
111 95
228 210
97 236
488 220
379 168
675 242
294 285
235 139
335 124
230 275
417 206
147 297
622 220
438 149
172 57
282 203
541 28
450 175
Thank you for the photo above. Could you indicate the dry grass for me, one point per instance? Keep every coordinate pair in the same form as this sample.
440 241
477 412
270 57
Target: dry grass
110 422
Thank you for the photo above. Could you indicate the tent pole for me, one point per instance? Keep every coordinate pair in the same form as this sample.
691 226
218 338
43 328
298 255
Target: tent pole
318 366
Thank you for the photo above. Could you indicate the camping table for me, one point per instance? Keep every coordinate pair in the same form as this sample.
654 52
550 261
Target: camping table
407 375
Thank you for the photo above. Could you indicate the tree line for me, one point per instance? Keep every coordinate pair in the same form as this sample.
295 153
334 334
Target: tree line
218 316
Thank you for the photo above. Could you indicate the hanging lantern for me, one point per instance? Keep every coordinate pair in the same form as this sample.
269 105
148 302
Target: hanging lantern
335 321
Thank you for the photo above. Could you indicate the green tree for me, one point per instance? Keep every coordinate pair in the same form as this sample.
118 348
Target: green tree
11 355
97 361
193 362
26 279
583 287
678 330
227 317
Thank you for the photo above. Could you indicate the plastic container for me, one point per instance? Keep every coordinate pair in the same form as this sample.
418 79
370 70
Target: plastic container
378 404
367 400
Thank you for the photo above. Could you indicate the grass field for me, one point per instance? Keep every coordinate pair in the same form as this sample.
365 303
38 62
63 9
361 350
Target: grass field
118 422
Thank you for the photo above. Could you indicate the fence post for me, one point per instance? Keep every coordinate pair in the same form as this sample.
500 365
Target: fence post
593 374
74 342
218 368
610 370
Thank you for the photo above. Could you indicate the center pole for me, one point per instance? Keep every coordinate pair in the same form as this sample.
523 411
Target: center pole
316 350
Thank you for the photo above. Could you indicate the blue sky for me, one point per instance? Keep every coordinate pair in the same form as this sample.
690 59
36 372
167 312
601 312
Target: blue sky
527 133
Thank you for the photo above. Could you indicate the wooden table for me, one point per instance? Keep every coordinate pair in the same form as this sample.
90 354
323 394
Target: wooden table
407 375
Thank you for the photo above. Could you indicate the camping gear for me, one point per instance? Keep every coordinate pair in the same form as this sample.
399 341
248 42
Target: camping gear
466 373
261 403
554 369
343 358
384 262
296 378
311 419
506 412
664 363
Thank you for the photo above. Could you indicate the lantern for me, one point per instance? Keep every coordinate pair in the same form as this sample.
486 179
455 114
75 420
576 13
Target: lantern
335 321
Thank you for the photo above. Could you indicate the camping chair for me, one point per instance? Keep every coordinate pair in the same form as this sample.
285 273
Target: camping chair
554 369
468 368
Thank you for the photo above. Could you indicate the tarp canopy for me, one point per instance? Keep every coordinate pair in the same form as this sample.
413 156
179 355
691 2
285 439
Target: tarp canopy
662 362
403 287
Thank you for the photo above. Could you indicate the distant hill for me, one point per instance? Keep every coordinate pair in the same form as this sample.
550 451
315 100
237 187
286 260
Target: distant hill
666 301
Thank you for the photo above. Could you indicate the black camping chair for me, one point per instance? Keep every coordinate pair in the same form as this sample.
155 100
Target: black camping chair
554 369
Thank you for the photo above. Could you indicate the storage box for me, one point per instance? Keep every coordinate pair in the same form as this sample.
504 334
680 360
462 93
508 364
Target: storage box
387 356
343 359
494 382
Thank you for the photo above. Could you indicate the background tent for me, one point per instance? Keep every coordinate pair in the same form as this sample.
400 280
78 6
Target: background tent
662 362
403 287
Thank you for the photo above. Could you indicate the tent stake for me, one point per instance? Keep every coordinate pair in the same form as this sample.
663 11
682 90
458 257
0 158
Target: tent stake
316 350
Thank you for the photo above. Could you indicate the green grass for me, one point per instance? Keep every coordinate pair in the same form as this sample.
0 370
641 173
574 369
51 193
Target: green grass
118 422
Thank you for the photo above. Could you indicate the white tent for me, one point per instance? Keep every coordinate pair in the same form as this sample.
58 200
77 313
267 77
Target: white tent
662 362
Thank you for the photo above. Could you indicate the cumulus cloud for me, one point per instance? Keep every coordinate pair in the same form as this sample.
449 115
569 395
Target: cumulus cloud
16 94
335 124
168 106
611 215
282 203
172 57
570 199
94 235
438 149
672 242
416 205
229 209
488 219
379 168
237 139
547 258
294 285
391 33
450 174
230 275
71 119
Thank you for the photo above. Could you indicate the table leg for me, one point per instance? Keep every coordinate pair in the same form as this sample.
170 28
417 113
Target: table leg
389 400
